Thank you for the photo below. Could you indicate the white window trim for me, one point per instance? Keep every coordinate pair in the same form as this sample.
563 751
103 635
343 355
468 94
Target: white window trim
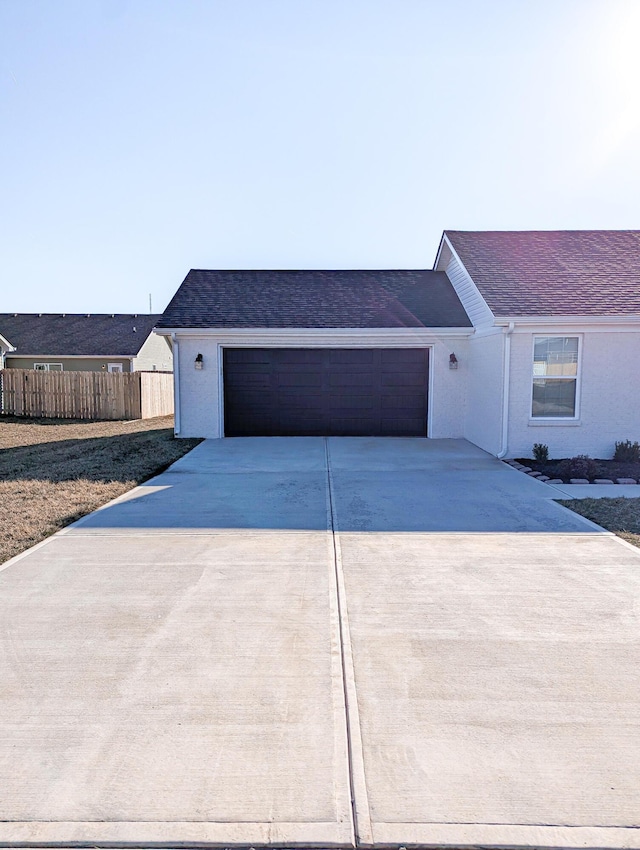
575 419
119 369
45 367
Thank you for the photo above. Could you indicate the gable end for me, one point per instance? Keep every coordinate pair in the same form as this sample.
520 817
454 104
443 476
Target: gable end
474 304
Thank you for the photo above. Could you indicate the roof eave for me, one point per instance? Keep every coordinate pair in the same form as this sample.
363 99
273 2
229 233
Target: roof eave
443 238
76 356
569 318
226 331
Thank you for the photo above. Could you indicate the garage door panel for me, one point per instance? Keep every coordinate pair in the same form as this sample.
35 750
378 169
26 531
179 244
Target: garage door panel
297 356
325 392
246 428
261 375
357 406
251 357
361 369
296 368
350 379
313 427
397 400
402 427
353 357
346 427
287 395
300 379
255 402
402 379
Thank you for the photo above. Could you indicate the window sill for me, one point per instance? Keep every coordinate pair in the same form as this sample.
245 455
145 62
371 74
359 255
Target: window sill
554 423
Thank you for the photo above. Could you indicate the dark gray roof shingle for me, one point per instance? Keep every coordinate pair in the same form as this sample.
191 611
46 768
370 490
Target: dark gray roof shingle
57 334
314 299
554 272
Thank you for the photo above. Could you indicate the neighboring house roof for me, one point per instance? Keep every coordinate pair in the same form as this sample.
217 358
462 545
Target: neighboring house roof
314 299
60 335
555 272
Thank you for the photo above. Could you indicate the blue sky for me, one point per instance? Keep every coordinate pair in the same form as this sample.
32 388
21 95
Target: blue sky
140 138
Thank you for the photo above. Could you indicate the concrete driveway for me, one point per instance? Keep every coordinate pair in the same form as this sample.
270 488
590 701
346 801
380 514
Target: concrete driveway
324 642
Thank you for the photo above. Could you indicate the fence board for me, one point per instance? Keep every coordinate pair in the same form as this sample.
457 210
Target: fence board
156 390
86 395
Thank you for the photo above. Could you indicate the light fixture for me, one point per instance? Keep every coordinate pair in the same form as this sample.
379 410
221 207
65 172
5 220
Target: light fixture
199 361
453 361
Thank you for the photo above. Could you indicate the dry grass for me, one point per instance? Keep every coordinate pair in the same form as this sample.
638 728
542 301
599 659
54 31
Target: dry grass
622 516
52 472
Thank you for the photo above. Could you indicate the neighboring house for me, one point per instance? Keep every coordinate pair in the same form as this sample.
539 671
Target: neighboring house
514 338
85 342
5 348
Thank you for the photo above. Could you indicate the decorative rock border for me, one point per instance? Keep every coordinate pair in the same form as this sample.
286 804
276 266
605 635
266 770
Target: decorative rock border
540 477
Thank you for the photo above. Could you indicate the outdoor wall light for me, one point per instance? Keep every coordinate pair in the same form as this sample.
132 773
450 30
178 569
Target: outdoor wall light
453 361
199 361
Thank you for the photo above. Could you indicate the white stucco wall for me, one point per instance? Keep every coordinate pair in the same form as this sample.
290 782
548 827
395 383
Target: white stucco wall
448 388
483 415
608 391
200 390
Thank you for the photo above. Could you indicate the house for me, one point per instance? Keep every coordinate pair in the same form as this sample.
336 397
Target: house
513 338
5 348
84 342
556 345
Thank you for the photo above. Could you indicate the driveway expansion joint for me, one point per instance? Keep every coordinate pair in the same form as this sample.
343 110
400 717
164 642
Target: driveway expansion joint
359 798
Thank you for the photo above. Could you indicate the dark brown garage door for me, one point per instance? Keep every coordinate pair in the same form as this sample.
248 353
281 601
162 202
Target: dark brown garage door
347 392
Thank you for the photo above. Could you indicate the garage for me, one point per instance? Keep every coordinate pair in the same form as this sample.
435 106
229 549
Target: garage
333 392
309 352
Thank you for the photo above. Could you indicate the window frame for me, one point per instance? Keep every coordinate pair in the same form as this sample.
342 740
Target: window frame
119 367
577 378
46 367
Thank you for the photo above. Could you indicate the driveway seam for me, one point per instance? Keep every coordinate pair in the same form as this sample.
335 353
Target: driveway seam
363 832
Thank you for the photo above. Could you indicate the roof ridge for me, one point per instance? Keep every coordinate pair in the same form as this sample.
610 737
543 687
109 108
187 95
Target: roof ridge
575 230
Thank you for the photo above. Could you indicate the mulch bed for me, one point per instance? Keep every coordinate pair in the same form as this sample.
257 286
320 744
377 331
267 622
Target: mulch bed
605 469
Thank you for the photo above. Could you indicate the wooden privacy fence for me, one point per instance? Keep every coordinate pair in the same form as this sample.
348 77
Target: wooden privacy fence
86 395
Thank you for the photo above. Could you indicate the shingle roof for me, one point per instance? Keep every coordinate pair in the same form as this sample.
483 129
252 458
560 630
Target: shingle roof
314 299
99 335
555 272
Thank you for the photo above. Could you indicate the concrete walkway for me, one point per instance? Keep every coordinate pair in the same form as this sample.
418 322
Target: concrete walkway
232 652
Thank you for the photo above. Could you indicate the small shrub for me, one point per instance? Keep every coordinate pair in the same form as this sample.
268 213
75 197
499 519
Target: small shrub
580 466
627 452
541 452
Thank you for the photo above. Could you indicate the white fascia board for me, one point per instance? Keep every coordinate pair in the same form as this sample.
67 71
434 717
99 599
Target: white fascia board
622 324
322 336
439 252
490 330
6 345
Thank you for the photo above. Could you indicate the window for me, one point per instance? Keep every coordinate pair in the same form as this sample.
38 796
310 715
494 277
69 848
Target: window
48 367
114 367
555 377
